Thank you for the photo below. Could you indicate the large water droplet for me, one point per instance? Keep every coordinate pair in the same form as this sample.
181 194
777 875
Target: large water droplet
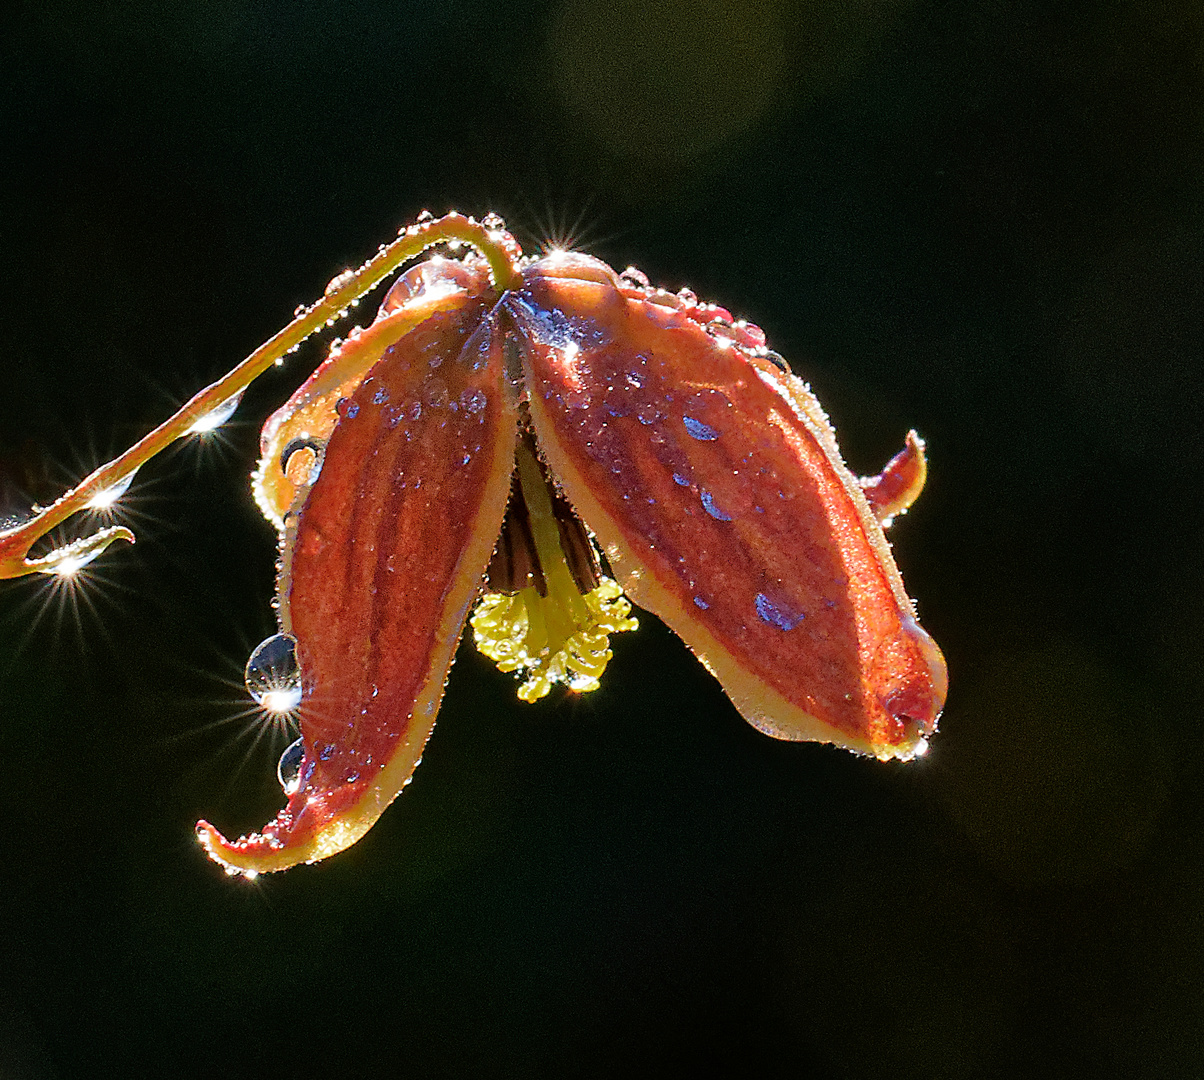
216 417
273 676
288 771
103 500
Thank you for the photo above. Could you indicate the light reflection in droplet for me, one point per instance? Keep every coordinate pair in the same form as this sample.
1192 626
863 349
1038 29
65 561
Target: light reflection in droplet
273 676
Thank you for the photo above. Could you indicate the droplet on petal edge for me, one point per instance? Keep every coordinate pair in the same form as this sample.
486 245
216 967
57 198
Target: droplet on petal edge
288 770
273 676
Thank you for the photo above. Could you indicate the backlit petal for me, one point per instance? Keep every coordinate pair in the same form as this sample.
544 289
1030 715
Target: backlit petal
306 420
381 566
713 481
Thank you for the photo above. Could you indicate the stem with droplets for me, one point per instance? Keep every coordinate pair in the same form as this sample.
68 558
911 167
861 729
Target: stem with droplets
497 247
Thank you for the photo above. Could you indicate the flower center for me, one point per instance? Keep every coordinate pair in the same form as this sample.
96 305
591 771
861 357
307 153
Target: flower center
548 611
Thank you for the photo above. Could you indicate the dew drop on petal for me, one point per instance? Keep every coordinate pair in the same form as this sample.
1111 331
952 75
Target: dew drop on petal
776 614
647 414
473 400
436 394
288 771
696 429
708 504
273 676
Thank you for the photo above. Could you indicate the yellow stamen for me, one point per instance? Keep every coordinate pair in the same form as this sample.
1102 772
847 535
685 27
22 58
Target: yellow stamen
563 637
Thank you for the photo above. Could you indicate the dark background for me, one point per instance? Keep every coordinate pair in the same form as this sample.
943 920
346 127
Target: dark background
983 220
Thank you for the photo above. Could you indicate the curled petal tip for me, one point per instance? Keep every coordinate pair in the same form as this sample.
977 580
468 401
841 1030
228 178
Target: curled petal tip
255 854
912 681
66 560
899 484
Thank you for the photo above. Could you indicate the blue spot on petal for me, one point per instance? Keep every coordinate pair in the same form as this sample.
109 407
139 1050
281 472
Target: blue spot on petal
698 430
680 480
708 504
775 614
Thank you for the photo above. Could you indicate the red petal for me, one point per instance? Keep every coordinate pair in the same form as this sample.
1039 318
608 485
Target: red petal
309 416
715 485
387 557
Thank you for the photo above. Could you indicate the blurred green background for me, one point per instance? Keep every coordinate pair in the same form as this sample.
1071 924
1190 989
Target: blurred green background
982 220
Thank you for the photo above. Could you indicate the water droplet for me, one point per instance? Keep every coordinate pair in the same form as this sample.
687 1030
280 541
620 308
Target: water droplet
473 401
103 500
288 771
708 504
636 277
273 676
701 603
696 429
778 360
680 480
338 281
380 397
216 417
436 393
301 461
776 614
493 221
634 379
347 409
424 216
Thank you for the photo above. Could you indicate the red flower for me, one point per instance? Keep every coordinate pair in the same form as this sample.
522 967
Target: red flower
502 420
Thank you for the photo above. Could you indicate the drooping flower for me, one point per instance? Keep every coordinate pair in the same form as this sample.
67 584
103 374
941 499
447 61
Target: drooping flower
474 454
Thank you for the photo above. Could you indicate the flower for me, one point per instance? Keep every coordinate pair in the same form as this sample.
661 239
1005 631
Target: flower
469 456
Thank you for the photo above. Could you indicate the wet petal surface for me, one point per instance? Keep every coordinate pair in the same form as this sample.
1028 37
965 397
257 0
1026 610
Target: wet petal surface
381 566
714 484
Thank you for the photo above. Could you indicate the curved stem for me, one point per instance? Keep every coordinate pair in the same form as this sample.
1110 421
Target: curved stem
496 245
